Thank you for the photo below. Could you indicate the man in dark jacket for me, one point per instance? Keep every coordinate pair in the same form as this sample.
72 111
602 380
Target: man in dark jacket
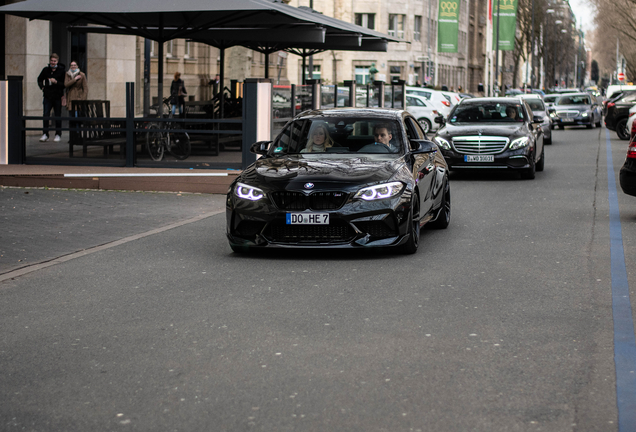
51 82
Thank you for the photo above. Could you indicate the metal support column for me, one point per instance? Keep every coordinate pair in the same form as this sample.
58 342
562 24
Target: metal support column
131 145
352 93
257 115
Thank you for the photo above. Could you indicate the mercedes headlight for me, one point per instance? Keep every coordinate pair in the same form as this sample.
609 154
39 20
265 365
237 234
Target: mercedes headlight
584 114
248 192
381 191
442 143
519 143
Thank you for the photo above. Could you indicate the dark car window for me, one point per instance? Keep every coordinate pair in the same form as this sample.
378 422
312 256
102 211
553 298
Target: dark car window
414 101
413 130
339 135
536 104
487 112
575 100
289 139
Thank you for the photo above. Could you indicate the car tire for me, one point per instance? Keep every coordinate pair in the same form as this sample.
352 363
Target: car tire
561 127
529 173
621 129
541 163
410 247
598 124
443 217
426 125
590 126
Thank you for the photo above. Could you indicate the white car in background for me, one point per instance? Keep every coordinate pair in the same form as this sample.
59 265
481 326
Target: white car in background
422 109
442 103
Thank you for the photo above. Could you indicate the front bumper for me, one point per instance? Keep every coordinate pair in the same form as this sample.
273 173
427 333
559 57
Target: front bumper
356 224
509 159
574 121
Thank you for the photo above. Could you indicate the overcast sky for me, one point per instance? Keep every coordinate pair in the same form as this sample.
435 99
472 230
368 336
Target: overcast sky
584 13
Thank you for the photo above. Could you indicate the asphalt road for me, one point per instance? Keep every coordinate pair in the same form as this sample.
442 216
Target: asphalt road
503 322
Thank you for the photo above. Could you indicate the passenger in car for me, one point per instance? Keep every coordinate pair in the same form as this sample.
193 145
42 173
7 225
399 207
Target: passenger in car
511 112
319 139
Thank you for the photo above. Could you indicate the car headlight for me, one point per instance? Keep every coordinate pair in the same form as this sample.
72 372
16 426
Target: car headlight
519 143
442 143
584 114
381 191
248 192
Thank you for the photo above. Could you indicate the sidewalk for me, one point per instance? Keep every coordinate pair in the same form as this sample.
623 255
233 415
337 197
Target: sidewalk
118 178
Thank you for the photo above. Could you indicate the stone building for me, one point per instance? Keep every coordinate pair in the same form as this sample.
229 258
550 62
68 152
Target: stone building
414 21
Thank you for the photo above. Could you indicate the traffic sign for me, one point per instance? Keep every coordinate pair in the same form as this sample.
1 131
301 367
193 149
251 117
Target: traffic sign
421 58
621 76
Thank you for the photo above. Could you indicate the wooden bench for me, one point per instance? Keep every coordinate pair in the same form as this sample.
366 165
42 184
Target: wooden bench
94 132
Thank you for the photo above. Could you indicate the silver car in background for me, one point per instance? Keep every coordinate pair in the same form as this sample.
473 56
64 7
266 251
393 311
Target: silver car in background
539 109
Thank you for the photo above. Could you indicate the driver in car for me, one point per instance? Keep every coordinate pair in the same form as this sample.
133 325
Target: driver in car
382 143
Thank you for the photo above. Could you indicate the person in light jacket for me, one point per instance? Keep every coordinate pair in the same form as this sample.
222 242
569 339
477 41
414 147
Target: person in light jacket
76 87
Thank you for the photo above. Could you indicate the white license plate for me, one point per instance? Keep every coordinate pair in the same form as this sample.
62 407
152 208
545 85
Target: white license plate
479 158
307 218
567 120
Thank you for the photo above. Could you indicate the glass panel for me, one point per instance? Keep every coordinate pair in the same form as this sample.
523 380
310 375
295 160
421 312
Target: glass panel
361 96
304 95
327 96
343 96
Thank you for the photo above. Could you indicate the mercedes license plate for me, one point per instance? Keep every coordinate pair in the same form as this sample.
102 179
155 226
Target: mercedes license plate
479 158
567 120
307 219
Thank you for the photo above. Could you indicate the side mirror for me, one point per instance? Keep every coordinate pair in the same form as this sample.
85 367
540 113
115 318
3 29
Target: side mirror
260 147
422 146
537 120
440 120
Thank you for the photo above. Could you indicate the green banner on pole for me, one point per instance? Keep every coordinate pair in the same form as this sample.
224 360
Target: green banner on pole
448 26
508 26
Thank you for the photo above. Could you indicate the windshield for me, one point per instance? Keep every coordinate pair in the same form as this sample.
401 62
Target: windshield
487 113
339 135
574 100
551 98
535 104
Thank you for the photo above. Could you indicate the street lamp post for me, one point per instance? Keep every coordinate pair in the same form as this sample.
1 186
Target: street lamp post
554 57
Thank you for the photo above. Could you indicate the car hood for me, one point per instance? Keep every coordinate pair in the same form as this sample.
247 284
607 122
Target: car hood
572 107
324 169
496 129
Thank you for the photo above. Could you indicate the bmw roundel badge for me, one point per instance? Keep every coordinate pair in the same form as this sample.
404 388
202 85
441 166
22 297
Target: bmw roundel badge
309 185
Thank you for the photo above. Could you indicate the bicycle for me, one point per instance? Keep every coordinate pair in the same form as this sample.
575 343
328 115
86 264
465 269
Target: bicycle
175 143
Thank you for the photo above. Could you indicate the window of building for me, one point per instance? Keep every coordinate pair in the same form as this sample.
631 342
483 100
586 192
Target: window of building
170 49
188 50
366 20
153 49
315 75
362 75
396 25
395 73
417 28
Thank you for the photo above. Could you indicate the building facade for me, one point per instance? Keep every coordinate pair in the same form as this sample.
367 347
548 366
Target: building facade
414 21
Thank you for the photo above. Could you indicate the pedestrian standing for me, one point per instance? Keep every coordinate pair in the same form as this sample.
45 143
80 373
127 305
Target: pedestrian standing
76 90
177 94
51 82
76 87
